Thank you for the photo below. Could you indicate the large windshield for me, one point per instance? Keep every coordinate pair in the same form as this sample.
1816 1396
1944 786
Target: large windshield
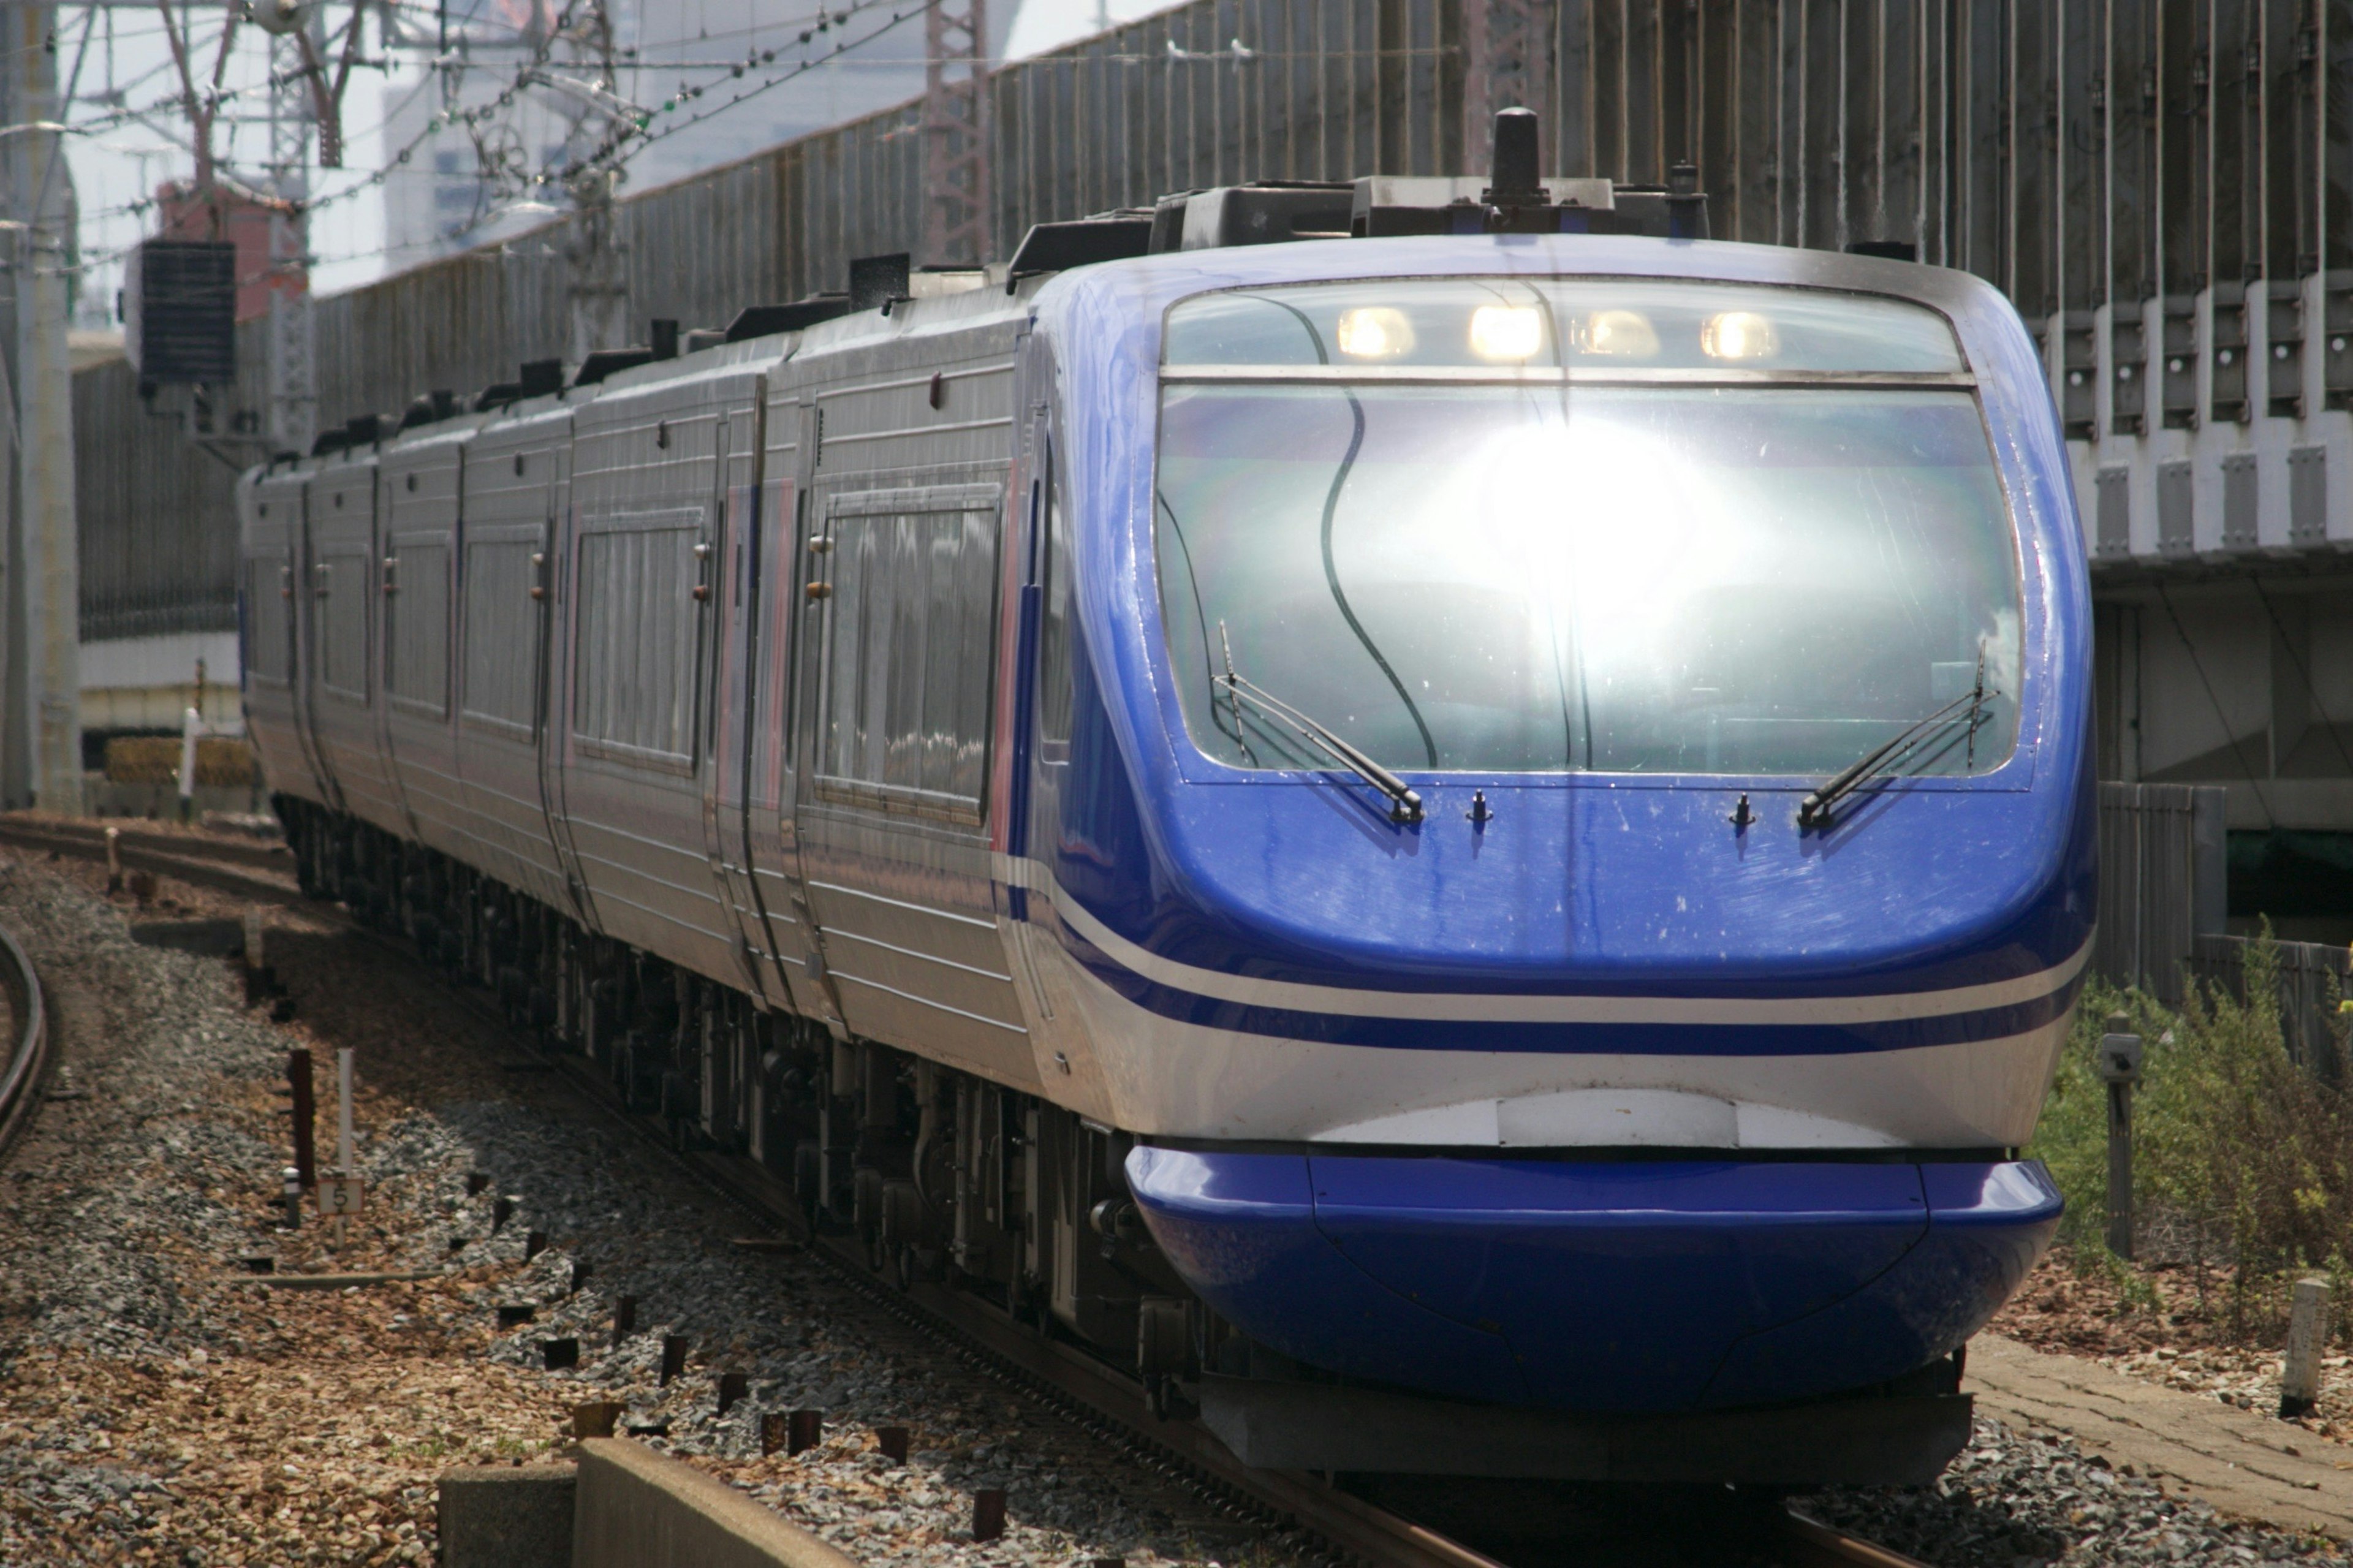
1556 573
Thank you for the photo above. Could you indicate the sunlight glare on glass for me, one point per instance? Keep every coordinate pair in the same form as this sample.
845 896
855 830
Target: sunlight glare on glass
1739 334
1375 331
1607 529
1626 334
1506 331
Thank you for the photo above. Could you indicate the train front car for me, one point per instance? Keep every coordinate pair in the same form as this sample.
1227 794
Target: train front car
1575 855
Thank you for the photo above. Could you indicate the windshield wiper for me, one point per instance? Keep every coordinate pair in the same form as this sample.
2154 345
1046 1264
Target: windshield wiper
1404 805
1815 810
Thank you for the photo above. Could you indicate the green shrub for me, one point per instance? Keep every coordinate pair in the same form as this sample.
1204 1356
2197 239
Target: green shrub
2240 1152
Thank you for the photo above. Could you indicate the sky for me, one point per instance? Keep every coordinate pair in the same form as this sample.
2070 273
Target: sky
127 97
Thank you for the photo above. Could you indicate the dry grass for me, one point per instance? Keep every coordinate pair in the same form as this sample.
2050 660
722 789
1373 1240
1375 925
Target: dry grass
221 761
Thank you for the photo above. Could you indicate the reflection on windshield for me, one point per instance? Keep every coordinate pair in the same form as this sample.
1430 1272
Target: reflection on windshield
1641 580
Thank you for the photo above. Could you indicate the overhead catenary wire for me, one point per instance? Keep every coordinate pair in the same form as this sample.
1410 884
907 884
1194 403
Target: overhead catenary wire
630 135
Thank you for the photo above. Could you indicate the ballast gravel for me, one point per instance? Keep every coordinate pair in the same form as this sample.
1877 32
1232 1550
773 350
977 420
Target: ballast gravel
2015 1497
158 1405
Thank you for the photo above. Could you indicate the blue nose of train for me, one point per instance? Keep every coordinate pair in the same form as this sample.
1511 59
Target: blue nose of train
1625 1285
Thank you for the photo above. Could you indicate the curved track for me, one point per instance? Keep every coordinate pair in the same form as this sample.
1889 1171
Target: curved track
29 1058
1079 1384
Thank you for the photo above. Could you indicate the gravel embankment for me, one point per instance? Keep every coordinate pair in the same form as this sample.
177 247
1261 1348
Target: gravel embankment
157 1406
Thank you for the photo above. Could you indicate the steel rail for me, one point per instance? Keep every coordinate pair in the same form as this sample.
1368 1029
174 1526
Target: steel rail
28 1066
1100 1398
194 861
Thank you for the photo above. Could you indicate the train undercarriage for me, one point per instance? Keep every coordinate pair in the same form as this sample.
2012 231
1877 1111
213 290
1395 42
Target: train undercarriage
936 1174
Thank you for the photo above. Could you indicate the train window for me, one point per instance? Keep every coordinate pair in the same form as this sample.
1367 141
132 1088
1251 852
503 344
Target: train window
502 627
633 676
340 596
909 626
417 624
1053 631
1625 578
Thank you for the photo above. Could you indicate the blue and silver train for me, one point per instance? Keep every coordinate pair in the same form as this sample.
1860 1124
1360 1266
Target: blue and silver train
1465 838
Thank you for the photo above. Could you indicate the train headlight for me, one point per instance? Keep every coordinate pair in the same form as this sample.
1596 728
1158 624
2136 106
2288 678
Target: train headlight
1506 331
1624 334
1739 334
1375 331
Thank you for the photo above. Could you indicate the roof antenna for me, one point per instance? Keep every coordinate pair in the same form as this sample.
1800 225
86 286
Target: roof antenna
1513 181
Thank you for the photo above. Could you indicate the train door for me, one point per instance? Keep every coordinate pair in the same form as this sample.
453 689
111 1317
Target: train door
729 575
310 572
1041 762
778 696
417 532
272 661
804 585
558 605
891 809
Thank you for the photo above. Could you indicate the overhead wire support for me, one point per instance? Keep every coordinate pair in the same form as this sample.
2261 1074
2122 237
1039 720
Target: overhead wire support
1508 45
41 753
955 133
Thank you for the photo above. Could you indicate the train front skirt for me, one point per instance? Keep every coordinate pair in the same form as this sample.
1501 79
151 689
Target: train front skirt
1622 1286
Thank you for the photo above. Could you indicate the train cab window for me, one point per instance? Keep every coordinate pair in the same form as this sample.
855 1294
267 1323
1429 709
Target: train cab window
1624 526
910 621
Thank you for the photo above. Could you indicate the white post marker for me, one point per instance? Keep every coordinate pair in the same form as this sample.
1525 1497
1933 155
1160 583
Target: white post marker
2307 1332
343 1195
191 722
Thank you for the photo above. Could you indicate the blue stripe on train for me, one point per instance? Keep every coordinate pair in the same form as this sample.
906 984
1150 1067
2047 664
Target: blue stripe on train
1599 1038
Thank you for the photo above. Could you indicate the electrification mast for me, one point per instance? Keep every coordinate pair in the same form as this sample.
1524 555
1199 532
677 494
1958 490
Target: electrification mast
293 414
1509 66
44 591
956 228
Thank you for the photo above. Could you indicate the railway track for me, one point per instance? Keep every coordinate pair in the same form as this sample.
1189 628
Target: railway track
1057 1373
28 1056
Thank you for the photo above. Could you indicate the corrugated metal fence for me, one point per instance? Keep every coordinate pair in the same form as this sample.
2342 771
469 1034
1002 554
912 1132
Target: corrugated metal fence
158 533
2312 979
2081 154
2162 913
2161 882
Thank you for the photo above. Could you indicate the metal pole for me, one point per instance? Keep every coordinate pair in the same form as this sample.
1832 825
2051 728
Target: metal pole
1507 64
2120 1066
298 1075
956 213
345 1163
2120 1197
49 596
598 260
293 390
